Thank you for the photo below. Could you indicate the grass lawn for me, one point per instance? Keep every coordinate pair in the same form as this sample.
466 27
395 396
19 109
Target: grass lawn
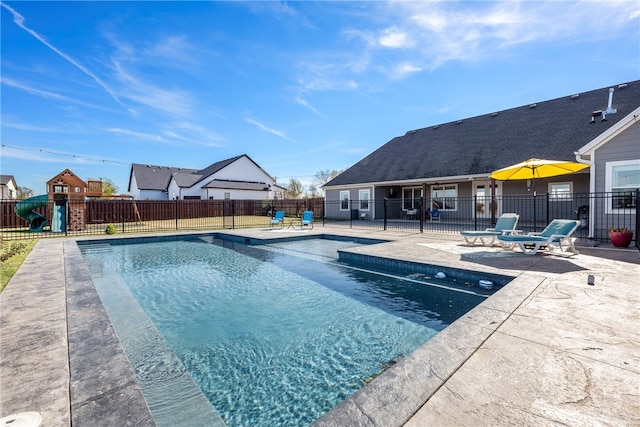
12 255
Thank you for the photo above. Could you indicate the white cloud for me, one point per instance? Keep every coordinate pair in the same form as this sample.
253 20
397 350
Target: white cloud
20 22
401 38
267 129
391 37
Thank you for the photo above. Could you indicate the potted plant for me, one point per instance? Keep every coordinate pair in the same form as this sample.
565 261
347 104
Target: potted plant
620 236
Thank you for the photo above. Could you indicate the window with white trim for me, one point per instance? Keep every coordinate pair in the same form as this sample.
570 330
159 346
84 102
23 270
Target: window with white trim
363 195
445 197
561 191
411 198
622 180
227 195
344 200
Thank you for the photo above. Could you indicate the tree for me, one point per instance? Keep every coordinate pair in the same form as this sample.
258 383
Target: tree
324 176
108 187
312 191
23 193
294 189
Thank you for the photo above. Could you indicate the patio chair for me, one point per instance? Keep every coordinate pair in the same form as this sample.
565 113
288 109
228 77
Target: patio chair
555 238
307 219
506 224
434 214
278 219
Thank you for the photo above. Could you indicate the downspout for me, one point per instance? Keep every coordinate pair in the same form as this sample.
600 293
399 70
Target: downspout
592 188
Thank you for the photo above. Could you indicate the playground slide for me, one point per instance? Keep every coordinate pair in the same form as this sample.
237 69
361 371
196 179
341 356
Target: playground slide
25 210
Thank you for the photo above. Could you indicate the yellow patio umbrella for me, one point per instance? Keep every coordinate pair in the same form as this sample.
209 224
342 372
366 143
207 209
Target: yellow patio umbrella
537 168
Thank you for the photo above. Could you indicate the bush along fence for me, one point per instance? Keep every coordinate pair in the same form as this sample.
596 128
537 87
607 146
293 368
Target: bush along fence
596 212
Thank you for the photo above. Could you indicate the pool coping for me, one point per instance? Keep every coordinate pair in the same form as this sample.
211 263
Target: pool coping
51 305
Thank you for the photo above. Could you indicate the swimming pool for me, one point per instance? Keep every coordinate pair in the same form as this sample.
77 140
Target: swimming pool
275 334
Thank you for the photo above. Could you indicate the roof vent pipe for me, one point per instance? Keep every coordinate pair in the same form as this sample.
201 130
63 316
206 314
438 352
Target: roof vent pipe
609 109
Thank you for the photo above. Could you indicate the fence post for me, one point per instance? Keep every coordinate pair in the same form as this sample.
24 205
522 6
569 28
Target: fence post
384 214
421 216
176 213
350 213
122 214
474 209
637 220
547 208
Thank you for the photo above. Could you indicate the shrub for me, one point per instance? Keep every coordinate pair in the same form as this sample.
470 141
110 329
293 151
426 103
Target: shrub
111 229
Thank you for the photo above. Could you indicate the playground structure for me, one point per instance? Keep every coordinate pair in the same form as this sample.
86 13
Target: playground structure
25 209
62 214
64 207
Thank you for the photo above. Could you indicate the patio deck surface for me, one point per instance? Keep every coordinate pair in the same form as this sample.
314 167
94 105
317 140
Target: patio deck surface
547 349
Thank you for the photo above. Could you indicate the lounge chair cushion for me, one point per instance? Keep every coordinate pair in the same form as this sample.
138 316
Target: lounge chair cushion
506 224
555 238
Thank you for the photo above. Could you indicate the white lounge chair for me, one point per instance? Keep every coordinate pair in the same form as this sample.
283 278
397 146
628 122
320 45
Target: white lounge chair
506 224
555 238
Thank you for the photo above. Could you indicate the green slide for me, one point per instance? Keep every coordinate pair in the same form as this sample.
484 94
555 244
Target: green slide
25 210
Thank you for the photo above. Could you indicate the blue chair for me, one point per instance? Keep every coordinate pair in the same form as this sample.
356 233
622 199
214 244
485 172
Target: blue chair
307 219
506 224
278 219
555 238
434 214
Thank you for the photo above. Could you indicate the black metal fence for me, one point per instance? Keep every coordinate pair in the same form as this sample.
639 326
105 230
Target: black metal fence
43 217
597 213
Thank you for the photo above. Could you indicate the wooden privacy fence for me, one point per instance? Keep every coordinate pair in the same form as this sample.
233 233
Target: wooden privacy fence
100 211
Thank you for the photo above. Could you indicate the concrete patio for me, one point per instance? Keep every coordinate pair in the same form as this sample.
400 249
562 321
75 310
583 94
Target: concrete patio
549 348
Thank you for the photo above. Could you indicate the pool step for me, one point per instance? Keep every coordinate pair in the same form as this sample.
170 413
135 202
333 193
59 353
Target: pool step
93 248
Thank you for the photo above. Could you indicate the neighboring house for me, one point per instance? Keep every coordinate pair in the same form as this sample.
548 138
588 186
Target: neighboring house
8 187
238 178
447 161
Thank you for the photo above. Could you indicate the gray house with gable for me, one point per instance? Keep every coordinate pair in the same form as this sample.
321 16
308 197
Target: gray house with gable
447 161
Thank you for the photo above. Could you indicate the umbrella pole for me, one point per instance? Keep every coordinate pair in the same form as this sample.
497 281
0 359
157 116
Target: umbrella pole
533 188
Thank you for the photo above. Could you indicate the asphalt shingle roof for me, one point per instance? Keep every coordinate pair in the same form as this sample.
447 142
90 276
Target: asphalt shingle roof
552 129
152 177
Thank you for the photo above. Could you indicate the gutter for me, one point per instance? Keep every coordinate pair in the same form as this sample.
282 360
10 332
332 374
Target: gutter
592 187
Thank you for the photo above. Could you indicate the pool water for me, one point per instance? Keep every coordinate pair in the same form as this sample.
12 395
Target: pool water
273 334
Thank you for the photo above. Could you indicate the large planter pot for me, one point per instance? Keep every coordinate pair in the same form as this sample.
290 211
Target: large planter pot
620 239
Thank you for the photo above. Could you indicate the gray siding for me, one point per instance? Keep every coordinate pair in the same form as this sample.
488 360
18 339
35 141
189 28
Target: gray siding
625 146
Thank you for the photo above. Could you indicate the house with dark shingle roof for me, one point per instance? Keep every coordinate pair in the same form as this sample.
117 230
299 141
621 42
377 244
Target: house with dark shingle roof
450 160
235 178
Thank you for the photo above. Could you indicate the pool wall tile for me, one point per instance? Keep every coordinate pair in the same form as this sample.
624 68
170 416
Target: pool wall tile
415 267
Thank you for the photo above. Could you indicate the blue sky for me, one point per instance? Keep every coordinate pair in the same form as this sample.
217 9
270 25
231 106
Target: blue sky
297 86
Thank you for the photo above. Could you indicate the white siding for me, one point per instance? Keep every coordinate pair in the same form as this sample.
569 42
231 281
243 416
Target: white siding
152 195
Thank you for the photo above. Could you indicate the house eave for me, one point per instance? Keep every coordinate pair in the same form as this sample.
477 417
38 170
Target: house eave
406 182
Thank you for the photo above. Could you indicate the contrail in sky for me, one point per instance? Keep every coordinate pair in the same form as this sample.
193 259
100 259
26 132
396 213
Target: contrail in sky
19 21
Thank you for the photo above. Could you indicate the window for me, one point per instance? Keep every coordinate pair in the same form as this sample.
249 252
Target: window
622 180
445 196
561 191
411 198
60 189
364 199
227 195
344 200
76 189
